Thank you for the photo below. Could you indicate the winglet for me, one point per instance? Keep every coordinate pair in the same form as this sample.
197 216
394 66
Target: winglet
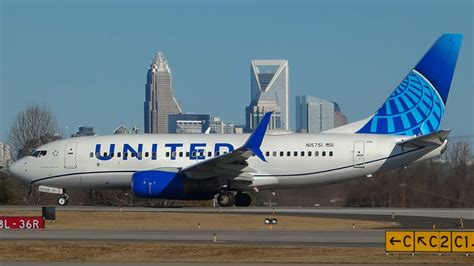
255 140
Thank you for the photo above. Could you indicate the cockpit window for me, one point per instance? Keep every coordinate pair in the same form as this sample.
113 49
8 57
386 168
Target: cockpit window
38 154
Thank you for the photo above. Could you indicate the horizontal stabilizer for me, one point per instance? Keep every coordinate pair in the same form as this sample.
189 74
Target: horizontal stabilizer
434 139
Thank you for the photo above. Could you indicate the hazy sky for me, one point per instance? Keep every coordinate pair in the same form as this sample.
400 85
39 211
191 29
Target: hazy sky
87 60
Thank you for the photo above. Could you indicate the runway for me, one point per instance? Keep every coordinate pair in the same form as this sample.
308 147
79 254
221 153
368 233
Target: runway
407 218
354 238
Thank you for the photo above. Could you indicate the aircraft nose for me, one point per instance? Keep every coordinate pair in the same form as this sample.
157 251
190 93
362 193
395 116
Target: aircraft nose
18 170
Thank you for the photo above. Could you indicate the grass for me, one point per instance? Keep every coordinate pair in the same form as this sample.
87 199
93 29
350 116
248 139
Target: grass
80 251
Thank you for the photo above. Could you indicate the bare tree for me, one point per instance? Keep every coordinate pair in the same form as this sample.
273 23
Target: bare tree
33 127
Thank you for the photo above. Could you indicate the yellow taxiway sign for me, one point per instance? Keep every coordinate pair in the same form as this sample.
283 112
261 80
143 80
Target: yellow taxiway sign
429 241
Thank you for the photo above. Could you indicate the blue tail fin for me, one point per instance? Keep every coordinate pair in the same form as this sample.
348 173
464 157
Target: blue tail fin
417 104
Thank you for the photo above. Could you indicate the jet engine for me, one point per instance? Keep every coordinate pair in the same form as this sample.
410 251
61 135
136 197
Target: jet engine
172 185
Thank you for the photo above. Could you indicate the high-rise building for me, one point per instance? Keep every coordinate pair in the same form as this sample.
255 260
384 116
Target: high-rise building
5 156
217 125
84 131
160 101
340 118
229 128
188 123
269 92
313 115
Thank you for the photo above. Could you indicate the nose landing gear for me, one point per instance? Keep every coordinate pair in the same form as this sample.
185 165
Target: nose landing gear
63 199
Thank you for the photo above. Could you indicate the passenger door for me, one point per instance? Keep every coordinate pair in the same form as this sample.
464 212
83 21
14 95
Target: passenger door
70 155
359 154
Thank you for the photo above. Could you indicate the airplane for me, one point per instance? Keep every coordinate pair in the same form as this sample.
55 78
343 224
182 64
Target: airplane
403 131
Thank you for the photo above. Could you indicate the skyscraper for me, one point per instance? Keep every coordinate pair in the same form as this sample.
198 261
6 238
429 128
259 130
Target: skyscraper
269 92
217 125
340 118
160 101
313 115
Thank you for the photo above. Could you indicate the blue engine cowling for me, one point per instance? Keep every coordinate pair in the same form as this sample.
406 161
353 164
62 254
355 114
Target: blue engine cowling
171 185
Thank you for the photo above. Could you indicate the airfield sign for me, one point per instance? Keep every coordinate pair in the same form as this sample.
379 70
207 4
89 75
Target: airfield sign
429 241
399 241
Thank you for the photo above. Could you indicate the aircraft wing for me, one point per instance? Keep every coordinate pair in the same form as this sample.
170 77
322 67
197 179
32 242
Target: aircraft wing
232 165
433 139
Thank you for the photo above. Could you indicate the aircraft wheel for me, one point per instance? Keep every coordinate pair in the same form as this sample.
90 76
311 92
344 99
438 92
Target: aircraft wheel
62 200
242 199
226 199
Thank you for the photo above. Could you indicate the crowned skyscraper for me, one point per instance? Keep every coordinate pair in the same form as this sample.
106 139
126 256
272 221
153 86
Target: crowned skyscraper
269 93
160 101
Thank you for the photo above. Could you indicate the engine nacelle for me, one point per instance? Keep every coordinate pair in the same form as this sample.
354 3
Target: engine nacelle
171 185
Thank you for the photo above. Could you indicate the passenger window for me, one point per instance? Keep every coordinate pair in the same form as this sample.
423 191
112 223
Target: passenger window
274 154
323 153
146 154
173 154
295 153
288 153
187 154
119 154
330 153
105 154
302 154
167 154
201 154
281 154
209 154
125 154
112 155
132 154
309 154
180 154
91 155
316 153
217 154
267 153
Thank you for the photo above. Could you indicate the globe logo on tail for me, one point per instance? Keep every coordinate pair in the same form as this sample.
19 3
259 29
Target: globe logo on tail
414 108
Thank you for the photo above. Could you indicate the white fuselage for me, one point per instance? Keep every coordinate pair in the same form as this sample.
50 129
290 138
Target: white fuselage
293 160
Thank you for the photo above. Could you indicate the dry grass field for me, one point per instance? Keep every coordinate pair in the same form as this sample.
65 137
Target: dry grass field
154 252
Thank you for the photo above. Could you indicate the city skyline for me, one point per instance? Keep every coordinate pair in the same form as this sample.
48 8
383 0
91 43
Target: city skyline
91 71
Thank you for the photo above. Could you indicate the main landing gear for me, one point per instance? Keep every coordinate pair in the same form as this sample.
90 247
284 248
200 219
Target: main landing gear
228 199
